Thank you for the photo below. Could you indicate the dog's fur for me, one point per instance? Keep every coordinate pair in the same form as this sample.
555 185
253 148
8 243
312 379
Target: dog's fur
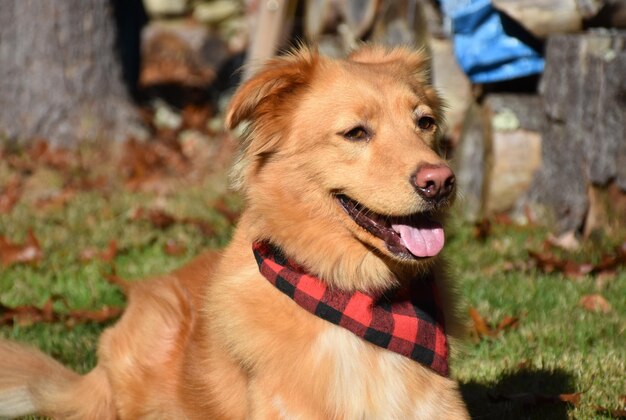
215 339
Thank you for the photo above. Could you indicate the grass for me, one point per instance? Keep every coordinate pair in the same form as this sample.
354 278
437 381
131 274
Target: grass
557 348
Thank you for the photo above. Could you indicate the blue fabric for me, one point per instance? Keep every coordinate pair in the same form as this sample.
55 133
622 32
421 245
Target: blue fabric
489 46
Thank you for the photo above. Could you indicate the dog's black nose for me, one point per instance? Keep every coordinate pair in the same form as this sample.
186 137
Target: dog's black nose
433 182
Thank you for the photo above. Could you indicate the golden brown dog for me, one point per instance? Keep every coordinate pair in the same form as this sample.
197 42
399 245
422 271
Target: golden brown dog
341 174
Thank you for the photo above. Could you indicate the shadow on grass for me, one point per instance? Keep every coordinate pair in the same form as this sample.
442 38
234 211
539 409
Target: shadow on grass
536 382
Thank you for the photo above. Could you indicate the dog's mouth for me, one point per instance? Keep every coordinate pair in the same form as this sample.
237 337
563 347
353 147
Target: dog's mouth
413 236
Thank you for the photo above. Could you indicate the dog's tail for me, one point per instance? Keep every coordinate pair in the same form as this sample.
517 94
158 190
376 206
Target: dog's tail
32 382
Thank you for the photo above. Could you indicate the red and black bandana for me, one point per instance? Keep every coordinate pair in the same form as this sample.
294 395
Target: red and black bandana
407 322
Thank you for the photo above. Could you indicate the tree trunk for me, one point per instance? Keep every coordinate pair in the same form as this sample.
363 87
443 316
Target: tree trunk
60 75
584 140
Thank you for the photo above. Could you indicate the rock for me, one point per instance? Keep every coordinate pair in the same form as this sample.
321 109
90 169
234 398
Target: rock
452 83
470 163
499 153
516 156
165 117
584 147
180 51
611 15
543 17
157 8
216 11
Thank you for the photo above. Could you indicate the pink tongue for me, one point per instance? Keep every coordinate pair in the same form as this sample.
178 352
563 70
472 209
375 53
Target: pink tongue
422 242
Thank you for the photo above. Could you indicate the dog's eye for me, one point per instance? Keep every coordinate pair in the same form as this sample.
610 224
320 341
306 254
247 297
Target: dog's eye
426 123
358 133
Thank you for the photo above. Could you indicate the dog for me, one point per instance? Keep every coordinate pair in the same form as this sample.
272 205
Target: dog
330 302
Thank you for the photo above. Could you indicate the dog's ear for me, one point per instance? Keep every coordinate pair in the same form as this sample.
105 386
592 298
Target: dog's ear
279 76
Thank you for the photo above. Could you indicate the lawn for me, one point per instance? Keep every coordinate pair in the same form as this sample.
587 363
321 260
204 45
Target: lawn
94 217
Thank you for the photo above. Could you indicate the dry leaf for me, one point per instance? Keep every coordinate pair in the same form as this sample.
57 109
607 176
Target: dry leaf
162 220
27 253
230 215
125 285
483 329
56 200
107 255
10 195
482 229
174 248
566 241
508 322
480 325
595 303
29 314
548 263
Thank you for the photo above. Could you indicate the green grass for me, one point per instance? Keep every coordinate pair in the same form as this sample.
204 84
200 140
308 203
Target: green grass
558 347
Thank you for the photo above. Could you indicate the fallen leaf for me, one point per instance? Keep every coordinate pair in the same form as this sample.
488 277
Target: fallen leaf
56 158
595 303
566 241
230 215
119 282
482 229
107 255
10 195
158 218
99 315
27 253
162 220
56 200
174 248
480 325
29 314
483 329
548 262
508 322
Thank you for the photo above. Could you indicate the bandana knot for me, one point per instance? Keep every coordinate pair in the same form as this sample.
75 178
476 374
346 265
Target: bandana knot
408 322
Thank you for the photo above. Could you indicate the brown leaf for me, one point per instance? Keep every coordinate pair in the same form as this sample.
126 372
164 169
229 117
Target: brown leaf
10 195
162 220
144 163
566 241
230 215
595 303
56 158
27 253
125 285
482 229
480 325
483 329
158 218
56 200
507 322
107 255
548 262
99 316
196 116
174 248
531 399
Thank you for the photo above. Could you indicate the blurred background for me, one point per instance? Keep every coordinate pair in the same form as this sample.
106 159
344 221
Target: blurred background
535 88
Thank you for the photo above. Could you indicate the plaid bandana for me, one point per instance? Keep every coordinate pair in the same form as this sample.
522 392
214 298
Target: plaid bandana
407 322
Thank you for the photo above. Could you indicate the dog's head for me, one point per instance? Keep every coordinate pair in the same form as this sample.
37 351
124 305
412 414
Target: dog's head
340 163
